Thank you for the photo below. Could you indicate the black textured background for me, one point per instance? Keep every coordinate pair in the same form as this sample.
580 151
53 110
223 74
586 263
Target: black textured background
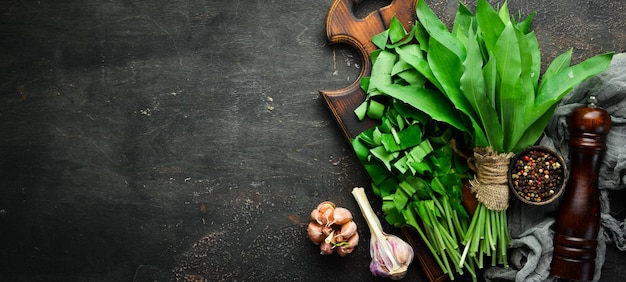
155 140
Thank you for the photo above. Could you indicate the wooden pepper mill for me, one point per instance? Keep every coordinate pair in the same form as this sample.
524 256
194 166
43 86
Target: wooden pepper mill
578 220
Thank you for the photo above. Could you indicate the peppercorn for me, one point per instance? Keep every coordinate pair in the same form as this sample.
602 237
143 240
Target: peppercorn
538 175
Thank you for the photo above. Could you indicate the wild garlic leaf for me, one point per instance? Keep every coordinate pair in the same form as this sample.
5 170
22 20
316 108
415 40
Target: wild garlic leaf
463 23
412 54
381 71
390 143
396 31
380 40
529 52
535 130
394 217
410 137
504 14
401 66
377 172
559 63
556 86
535 69
401 198
438 186
361 148
361 110
474 87
490 75
490 24
421 35
524 25
410 219
375 109
428 101
447 68
438 30
419 152
513 102
385 157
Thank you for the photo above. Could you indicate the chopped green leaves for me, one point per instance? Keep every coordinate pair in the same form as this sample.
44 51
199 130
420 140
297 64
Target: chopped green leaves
414 169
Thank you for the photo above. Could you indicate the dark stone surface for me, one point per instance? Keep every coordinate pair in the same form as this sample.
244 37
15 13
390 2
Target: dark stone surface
158 139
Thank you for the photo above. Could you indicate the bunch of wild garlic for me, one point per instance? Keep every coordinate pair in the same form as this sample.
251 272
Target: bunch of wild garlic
483 78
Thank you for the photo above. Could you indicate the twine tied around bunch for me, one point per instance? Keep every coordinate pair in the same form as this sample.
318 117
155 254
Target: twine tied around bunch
490 184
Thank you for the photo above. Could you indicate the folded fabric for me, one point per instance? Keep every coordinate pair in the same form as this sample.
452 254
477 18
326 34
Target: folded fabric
529 256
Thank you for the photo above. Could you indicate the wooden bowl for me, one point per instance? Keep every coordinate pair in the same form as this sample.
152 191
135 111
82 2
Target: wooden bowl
537 175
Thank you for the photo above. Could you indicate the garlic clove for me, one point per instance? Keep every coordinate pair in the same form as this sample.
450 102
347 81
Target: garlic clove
318 213
341 216
354 240
326 230
347 230
347 248
316 216
327 217
326 248
402 250
325 210
344 251
314 232
325 205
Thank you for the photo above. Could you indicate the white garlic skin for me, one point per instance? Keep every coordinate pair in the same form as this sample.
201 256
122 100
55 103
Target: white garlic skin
382 262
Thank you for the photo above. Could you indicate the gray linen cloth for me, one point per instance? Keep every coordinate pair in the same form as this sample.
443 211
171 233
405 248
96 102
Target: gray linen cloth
531 227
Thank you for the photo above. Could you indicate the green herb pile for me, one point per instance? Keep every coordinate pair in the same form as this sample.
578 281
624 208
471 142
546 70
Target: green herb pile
479 83
416 172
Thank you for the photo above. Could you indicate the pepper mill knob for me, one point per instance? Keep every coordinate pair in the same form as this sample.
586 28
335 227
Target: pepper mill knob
578 220
590 121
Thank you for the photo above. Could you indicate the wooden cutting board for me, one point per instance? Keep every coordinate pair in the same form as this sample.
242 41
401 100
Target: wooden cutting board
342 26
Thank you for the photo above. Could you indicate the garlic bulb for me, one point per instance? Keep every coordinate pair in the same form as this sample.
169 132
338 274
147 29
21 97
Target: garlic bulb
391 256
332 228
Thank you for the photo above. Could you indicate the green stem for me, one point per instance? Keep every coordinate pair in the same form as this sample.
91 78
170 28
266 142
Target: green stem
505 238
449 215
431 248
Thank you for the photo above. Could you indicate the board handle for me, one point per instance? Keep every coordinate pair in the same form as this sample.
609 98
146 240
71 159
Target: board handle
342 26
